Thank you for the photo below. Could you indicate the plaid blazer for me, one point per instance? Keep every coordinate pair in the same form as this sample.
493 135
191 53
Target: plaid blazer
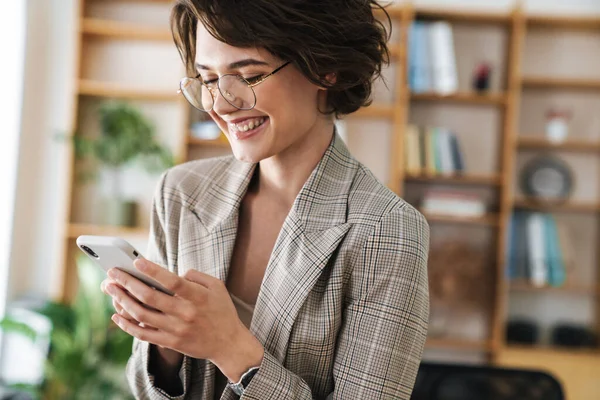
343 306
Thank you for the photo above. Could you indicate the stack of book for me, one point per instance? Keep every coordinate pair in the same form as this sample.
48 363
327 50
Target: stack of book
432 151
538 249
453 203
432 59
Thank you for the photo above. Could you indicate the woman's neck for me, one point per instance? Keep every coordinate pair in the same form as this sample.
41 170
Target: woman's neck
281 177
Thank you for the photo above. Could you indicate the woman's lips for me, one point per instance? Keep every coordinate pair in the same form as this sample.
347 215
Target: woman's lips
242 135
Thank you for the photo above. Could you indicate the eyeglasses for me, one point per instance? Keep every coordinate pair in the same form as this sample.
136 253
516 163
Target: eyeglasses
235 89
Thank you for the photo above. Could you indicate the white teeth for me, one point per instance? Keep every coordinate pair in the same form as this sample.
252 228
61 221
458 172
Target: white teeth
255 123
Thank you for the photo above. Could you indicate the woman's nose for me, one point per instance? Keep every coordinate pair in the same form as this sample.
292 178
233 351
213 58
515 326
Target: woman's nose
222 106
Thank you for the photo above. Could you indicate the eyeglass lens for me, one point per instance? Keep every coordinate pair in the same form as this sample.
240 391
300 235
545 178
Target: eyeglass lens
232 87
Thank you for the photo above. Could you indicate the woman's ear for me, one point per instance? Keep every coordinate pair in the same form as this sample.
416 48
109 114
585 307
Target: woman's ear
331 78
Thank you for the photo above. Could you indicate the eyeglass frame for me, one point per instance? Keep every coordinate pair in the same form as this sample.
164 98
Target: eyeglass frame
213 95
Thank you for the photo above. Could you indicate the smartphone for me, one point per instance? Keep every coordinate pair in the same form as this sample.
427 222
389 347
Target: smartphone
114 252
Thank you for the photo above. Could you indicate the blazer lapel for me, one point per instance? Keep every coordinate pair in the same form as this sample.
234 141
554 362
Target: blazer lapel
218 210
310 234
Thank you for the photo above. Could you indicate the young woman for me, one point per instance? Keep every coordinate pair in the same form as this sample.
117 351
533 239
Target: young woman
297 275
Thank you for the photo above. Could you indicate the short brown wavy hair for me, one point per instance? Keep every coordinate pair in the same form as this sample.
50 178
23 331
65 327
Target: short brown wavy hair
319 37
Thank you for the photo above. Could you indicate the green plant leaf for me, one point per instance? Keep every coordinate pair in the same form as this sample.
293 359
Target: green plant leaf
12 326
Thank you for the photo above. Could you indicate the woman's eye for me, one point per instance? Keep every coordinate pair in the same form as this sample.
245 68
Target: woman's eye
210 81
254 78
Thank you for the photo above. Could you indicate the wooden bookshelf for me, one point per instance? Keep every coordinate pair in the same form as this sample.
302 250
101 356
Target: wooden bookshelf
508 101
577 145
568 206
463 179
76 230
464 97
548 82
122 30
113 90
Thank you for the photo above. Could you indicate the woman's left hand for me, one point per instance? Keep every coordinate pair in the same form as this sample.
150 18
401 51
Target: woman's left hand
200 320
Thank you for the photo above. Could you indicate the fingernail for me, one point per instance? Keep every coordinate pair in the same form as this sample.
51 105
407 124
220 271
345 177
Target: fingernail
115 318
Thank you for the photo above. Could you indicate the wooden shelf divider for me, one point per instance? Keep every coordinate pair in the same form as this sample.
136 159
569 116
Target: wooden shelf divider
123 30
462 97
220 142
580 145
547 82
566 289
457 344
76 230
466 179
569 22
487 220
374 111
113 90
462 15
568 206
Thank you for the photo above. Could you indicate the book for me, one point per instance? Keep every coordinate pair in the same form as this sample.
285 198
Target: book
444 79
537 250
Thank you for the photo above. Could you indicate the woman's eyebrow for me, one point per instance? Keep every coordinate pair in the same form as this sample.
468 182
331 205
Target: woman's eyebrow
238 64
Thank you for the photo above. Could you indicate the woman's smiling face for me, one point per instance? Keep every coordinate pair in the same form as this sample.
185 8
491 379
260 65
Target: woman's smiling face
287 104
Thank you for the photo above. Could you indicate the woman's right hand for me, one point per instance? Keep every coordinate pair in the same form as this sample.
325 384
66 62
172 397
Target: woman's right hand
168 356
103 286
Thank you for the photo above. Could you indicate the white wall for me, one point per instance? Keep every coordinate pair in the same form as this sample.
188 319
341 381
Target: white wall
12 32
49 84
48 97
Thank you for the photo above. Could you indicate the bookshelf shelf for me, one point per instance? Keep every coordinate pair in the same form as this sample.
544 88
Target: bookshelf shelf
580 145
567 289
462 15
374 111
462 97
487 220
112 90
467 179
536 348
121 30
75 230
554 21
220 142
547 82
458 344
569 206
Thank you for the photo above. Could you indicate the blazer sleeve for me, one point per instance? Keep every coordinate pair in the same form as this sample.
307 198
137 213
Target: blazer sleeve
382 338
160 250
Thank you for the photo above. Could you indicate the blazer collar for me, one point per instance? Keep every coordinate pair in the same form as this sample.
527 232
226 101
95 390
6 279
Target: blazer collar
320 204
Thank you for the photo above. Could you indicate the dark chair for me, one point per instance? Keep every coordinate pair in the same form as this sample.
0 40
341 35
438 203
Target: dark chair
470 382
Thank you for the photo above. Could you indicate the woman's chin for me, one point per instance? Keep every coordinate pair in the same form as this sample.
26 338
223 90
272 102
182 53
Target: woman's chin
249 155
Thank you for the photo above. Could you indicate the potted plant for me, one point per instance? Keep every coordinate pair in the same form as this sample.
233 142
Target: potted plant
88 352
125 136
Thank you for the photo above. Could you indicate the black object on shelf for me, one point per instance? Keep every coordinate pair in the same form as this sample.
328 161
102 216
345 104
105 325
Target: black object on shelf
547 178
477 382
573 336
481 78
522 332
